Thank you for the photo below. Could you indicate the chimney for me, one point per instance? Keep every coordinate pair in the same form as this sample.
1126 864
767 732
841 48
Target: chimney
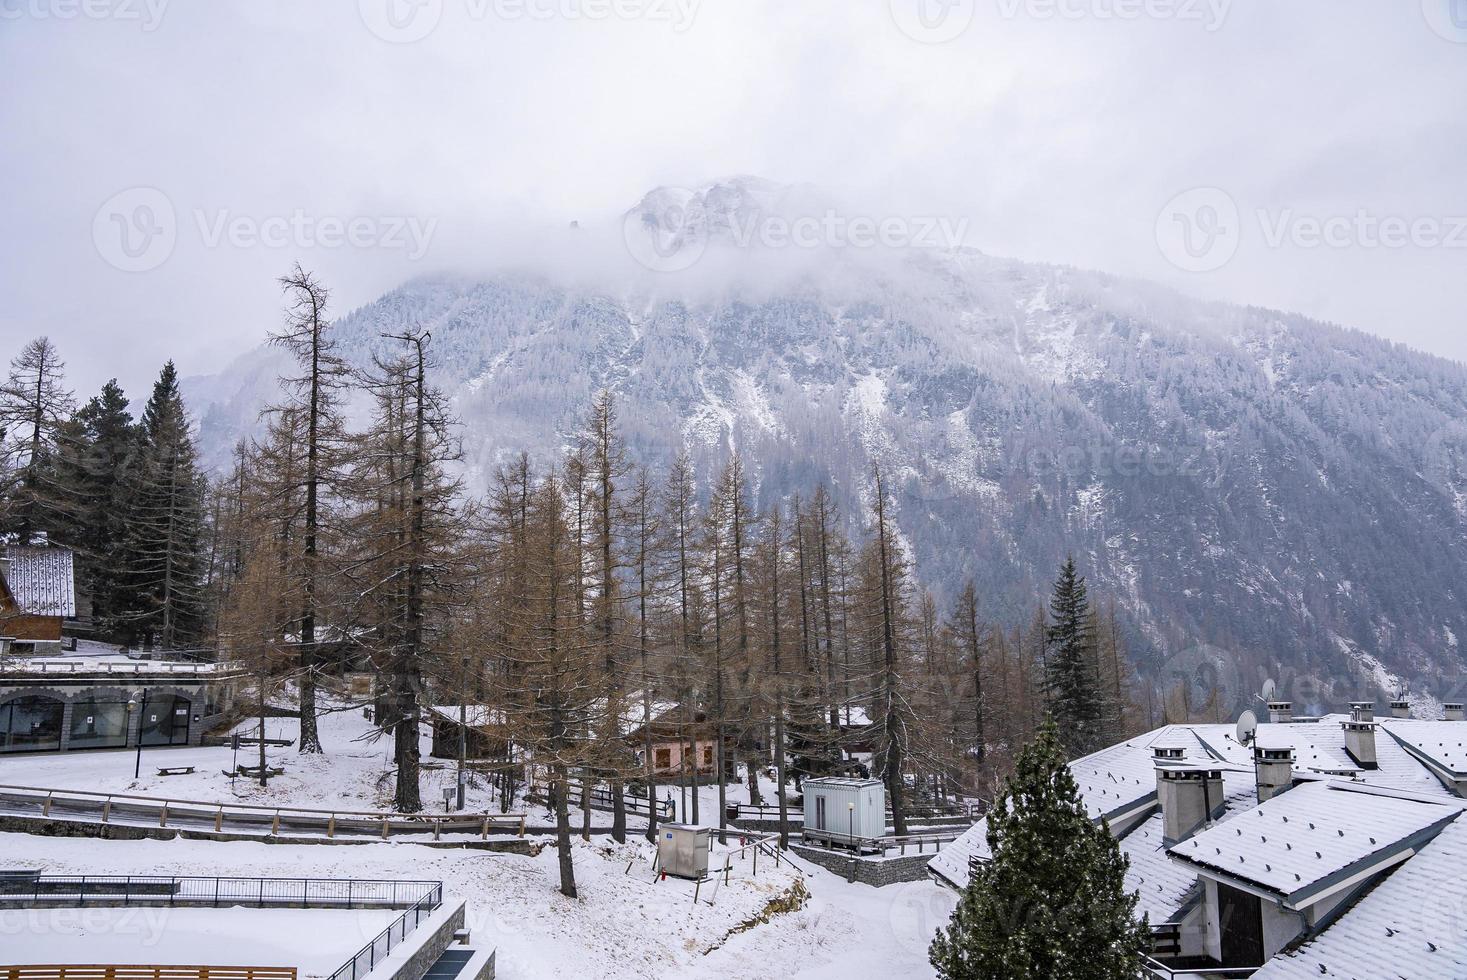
1452 711
1360 741
1362 711
1400 709
1275 771
1190 797
1280 712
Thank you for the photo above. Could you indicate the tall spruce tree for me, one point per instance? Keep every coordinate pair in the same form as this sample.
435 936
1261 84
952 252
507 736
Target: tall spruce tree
1052 901
1071 681
165 560
100 470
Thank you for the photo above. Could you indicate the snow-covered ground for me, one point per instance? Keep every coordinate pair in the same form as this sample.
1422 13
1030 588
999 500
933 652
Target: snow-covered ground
315 941
622 924
625 924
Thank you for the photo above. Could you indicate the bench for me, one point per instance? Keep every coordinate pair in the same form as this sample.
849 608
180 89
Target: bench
254 771
175 770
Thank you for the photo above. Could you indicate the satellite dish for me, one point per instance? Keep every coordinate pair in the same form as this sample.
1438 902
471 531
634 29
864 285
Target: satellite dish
1269 690
1247 728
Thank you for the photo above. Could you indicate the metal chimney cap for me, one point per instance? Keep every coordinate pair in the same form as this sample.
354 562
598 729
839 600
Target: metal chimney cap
1265 754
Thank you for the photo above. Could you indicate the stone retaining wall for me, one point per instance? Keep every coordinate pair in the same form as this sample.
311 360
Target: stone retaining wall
874 871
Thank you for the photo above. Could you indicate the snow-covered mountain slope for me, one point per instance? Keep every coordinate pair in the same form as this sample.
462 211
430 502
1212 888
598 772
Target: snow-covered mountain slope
1288 491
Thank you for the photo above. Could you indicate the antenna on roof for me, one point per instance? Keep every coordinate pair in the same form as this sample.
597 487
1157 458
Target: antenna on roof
1247 728
1270 691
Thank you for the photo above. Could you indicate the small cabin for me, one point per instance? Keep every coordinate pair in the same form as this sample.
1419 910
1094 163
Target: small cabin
845 812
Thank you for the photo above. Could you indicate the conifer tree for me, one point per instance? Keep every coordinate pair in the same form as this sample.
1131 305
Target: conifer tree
314 395
165 560
100 471
1071 681
1052 901
34 406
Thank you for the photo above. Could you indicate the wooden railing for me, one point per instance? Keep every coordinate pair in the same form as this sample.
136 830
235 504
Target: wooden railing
298 819
67 971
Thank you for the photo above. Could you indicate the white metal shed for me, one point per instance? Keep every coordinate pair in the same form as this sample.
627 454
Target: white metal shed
842 810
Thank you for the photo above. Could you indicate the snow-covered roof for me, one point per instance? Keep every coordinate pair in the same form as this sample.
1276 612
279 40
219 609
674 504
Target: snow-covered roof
1301 842
1121 780
1410 925
1443 743
41 580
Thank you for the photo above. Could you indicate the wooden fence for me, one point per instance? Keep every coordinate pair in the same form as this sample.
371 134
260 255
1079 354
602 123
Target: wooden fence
65 971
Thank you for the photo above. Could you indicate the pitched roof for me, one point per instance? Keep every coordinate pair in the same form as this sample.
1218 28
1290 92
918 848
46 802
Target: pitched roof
1302 842
41 580
1408 926
1442 742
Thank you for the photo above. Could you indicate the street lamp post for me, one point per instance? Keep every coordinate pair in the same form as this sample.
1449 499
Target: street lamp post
851 813
132 705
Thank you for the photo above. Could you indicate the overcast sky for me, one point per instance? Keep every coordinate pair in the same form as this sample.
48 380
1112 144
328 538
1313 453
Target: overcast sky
165 160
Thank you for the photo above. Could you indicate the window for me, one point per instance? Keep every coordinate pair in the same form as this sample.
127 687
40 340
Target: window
30 724
707 755
819 813
165 719
664 758
98 724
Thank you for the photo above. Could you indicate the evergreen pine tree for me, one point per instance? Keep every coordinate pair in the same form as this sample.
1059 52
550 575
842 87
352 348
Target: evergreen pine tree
1071 684
1052 901
98 470
165 524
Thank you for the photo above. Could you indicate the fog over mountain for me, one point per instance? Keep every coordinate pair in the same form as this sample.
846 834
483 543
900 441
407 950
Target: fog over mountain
1291 492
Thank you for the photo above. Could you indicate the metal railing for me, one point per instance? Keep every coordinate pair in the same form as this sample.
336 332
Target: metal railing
254 818
128 890
891 842
1158 969
378 949
130 668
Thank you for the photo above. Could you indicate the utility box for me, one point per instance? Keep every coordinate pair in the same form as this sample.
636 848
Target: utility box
682 850
844 811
